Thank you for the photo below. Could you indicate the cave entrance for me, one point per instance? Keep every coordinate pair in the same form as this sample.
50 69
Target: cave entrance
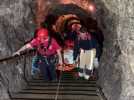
63 9
61 14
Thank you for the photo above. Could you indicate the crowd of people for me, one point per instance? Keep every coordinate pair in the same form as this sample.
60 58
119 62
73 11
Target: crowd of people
79 49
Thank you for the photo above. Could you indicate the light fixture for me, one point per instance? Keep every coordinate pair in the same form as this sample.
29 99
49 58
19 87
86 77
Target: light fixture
91 8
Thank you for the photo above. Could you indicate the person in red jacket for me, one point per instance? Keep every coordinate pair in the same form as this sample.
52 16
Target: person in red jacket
47 48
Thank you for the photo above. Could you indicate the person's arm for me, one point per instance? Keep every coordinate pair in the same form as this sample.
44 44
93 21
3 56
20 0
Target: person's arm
58 50
60 56
25 47
76 50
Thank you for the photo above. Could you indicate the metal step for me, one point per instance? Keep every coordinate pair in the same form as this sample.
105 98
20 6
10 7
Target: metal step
63 81
70 89
48 96
63 84
61 88
73 92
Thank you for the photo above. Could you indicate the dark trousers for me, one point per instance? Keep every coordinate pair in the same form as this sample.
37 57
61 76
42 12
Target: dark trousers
48 68
35 61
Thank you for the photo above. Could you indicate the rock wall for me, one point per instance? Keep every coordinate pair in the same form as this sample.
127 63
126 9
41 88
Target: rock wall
16 25
13 75
115 18
116 71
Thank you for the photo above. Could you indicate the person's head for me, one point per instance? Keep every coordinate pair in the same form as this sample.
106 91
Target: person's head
84 34
42 34
75 25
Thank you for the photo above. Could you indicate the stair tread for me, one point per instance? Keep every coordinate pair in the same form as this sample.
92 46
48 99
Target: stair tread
63 81
64 88
60 92
48 96
63 84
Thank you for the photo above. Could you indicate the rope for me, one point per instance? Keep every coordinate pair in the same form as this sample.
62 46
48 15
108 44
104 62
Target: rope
59 82
58 87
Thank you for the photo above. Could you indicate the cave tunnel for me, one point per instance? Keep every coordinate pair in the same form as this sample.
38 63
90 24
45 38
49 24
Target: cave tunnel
56 14
113 21
60 15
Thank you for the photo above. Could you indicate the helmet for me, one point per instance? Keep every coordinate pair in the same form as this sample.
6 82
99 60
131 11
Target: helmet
74 21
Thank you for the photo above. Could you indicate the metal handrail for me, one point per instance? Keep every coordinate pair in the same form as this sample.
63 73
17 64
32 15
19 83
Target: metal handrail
16 56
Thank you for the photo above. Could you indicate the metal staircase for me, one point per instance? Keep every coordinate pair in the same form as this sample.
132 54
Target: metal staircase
67 88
